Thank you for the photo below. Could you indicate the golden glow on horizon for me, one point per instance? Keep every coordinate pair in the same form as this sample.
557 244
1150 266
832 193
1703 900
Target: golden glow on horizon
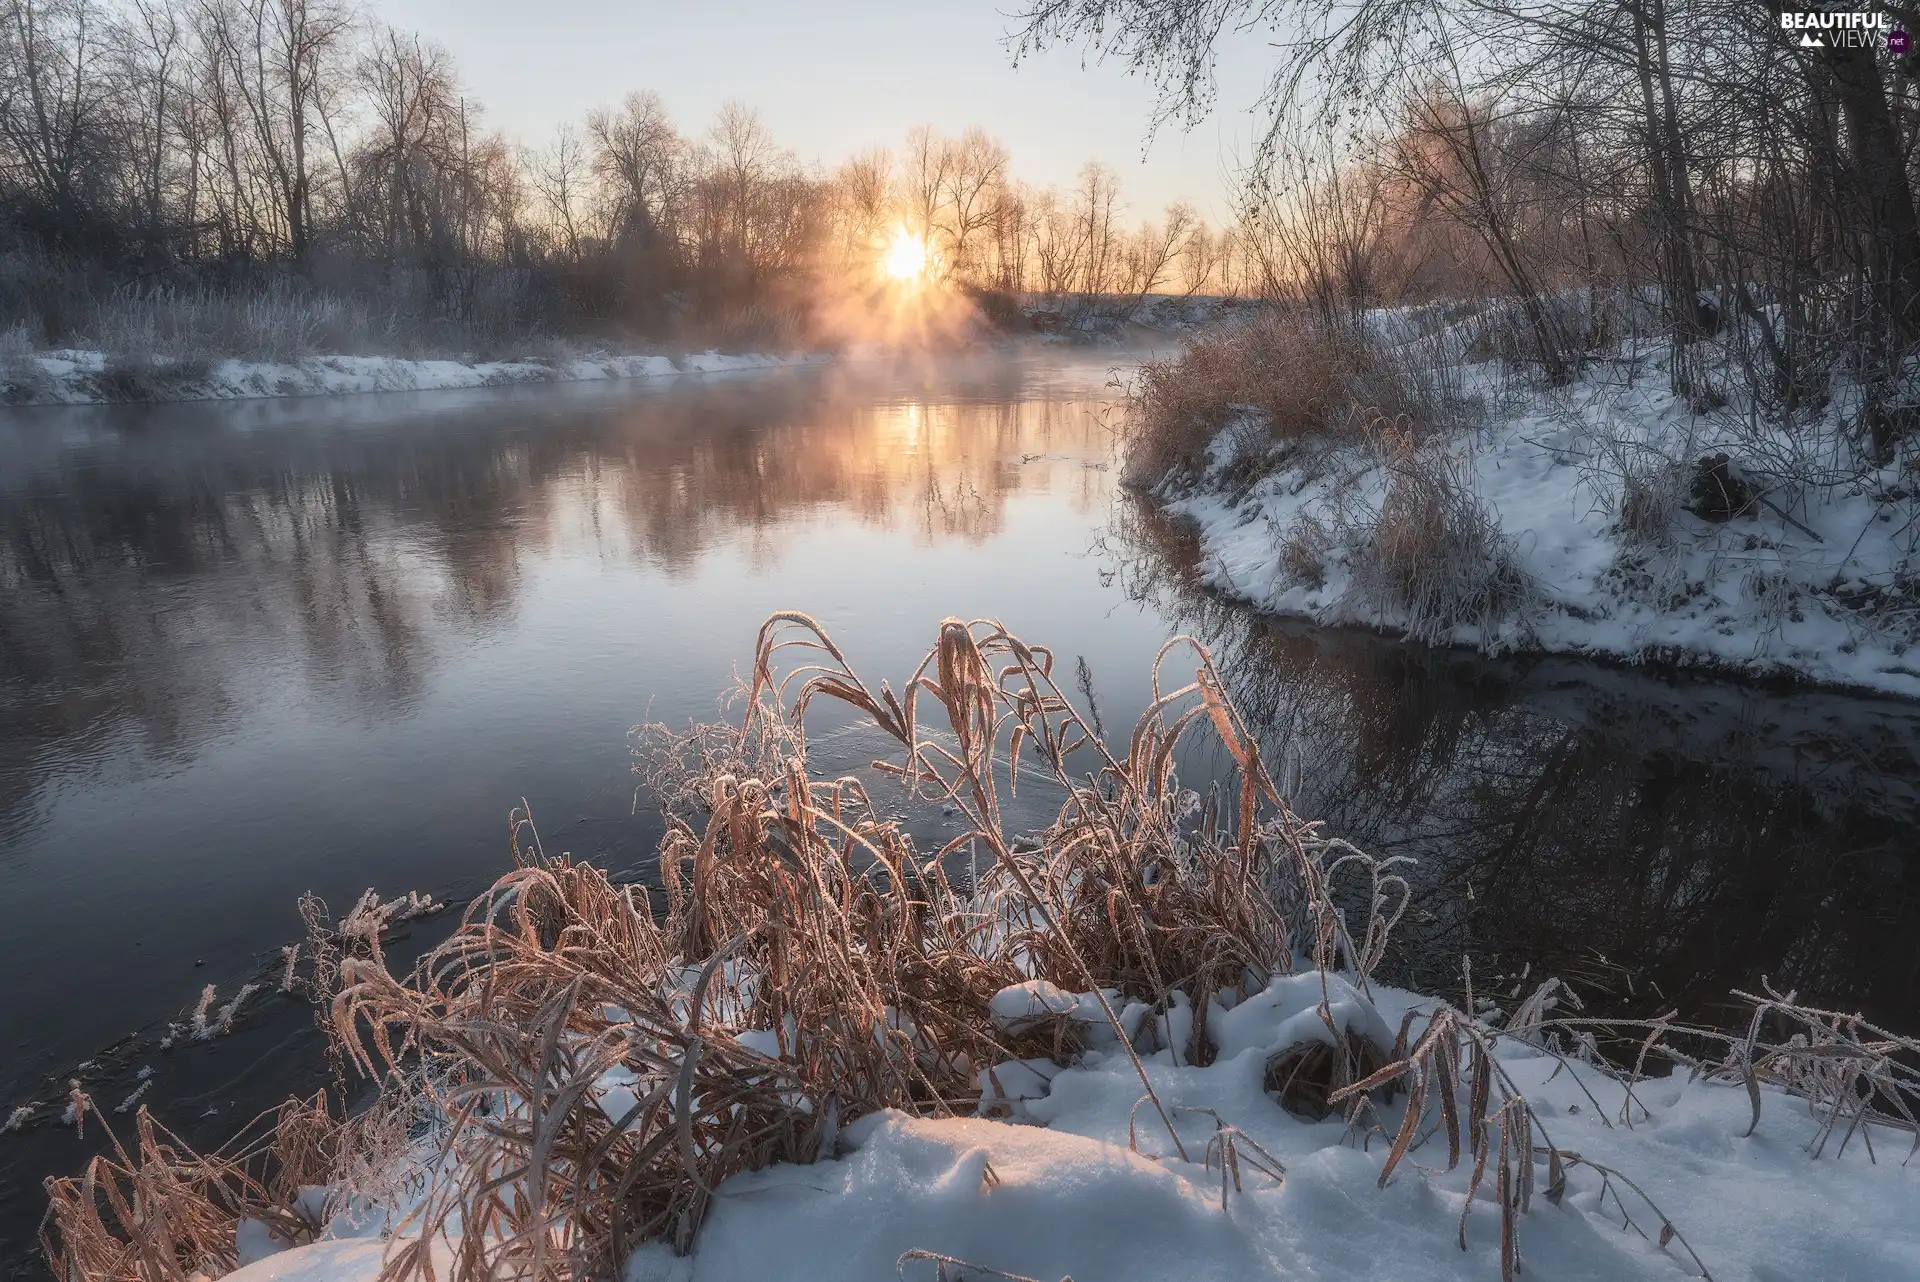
905 259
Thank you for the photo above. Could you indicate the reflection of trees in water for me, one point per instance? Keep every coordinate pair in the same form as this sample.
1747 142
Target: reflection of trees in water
1660 838
158 576
701 474
111 632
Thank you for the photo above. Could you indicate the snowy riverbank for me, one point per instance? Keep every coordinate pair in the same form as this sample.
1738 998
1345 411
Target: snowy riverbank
71 377
1589 493
1060 1191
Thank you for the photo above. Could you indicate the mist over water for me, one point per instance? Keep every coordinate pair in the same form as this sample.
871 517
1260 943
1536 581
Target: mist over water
255 649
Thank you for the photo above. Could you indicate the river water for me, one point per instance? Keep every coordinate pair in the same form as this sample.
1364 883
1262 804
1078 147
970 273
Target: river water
253 649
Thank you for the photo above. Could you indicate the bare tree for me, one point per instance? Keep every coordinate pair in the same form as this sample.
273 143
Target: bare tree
1452 157
1149 256
636 156
559 173
418 122
924 170
151 43
236 144
973 176
1200 259
1059 244
1096 209
1693 151
279 54
54 107
864 187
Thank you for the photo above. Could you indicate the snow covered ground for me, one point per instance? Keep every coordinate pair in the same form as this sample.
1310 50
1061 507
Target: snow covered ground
1800 585
69 377
1060 1190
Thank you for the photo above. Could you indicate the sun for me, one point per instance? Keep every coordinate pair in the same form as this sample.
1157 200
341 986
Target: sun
905 258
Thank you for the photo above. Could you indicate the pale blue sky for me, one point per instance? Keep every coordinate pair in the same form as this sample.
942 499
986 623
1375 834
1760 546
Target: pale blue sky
835 77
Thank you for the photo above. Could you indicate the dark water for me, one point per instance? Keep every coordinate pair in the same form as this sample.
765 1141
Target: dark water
255 649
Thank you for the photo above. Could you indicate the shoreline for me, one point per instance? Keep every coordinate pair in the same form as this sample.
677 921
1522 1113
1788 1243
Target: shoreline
89 376
1814 595
1666 663
1659 661
77 377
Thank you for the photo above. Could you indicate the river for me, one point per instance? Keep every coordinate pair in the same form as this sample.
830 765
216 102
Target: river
253 649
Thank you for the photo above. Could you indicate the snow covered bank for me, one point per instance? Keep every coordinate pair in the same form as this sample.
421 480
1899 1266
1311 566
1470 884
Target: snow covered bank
91 378
1073 1200
1586 492
1070 1197
1064 1192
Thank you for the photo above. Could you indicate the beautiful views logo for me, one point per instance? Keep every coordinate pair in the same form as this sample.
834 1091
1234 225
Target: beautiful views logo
1832 29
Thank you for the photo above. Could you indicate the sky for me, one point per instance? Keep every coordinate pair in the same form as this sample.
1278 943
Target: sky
833 77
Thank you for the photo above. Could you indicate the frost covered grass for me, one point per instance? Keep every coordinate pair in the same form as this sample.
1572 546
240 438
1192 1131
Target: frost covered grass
277 324
1607 515
1144 1040
1431 555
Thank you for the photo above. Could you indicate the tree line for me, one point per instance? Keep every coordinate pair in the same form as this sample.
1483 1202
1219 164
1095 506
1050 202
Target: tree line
225 143
1751 184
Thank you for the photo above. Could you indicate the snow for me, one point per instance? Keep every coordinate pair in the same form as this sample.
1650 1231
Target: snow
1070 1198
1754 594
1288 1013
334 1261
71 377
1021 1006
1064 1193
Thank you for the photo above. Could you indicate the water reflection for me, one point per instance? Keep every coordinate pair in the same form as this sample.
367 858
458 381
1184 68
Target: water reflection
1659 838
248 650
156 583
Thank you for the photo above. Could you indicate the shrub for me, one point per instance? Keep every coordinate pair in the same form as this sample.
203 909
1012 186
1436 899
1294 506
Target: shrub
1650 491
142 376
1433 557
1304 550
23 379
1307 379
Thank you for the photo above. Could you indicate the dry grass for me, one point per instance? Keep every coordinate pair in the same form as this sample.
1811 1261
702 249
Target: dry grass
277 323
1308 380
1651 489
570 1074
138 375
1305 1079
1855 1077
161 1212
170 322
793 905
1848 1071
1305 550
760 327
1432 557
22 378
